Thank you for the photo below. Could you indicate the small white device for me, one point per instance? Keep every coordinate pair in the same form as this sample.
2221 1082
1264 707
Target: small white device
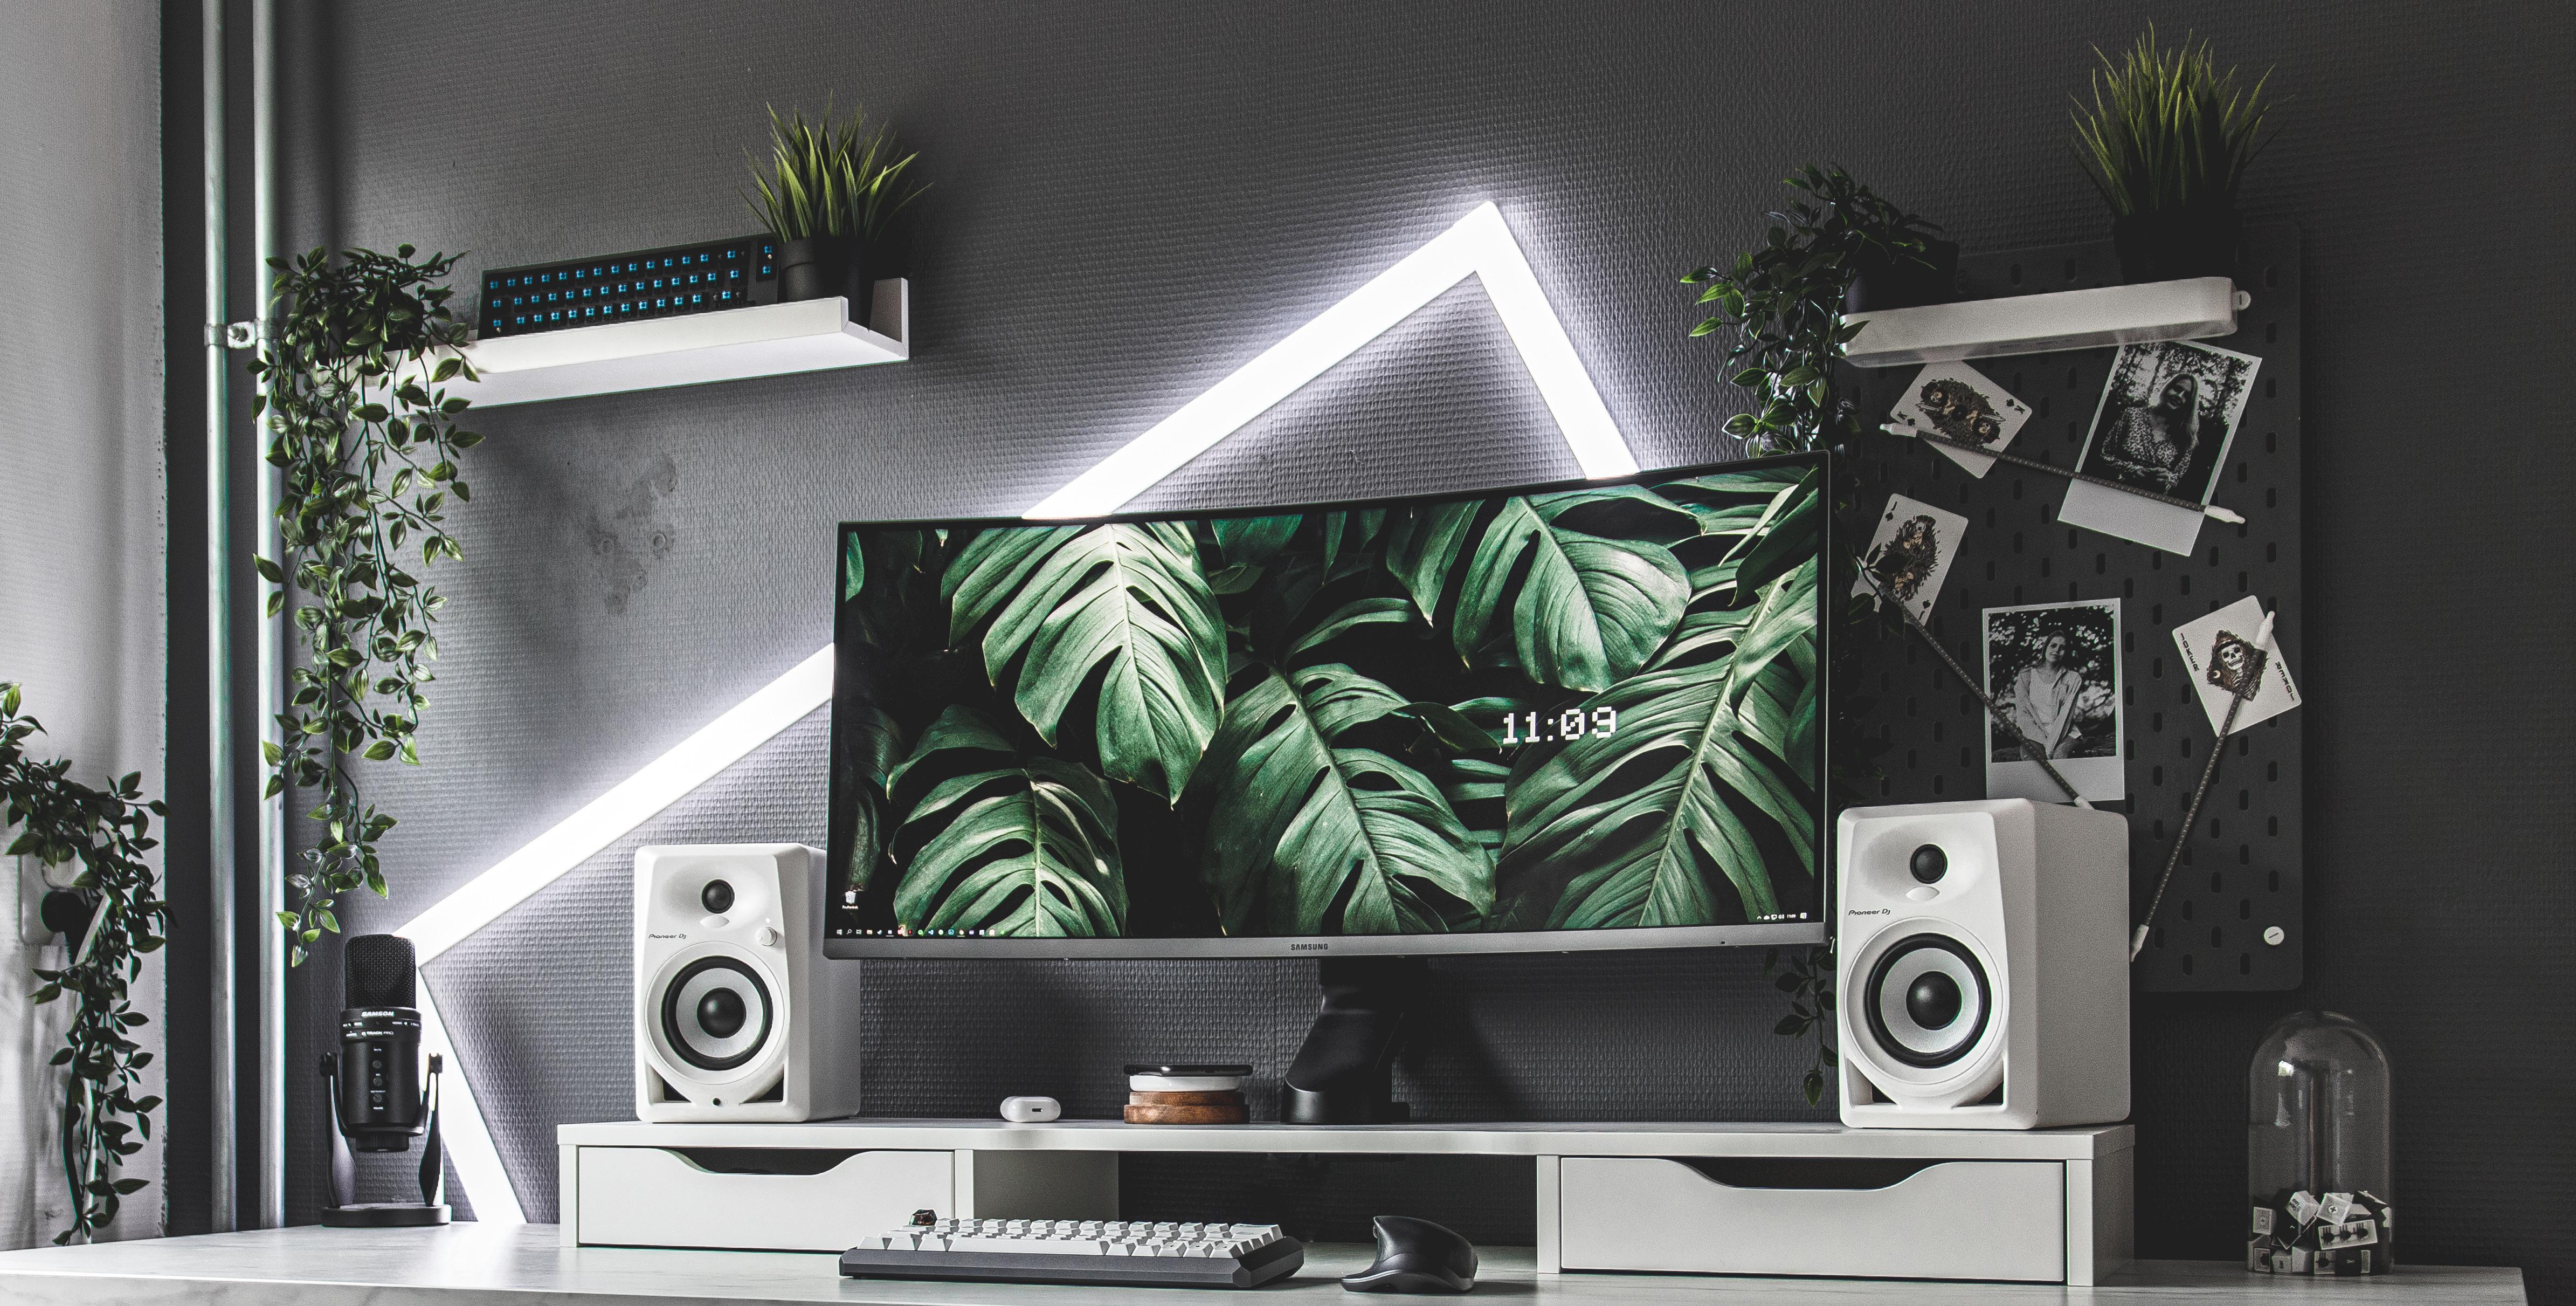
1983 965
737 1014
1031 1110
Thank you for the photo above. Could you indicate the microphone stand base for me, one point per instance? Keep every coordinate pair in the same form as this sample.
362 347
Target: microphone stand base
384 1215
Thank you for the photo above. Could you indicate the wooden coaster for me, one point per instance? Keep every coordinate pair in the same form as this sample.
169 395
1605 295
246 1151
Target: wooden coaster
1233 1114
1226 1097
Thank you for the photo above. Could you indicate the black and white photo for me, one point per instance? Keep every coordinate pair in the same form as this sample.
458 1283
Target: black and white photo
2054 670
2167 416
1910 554
1957 402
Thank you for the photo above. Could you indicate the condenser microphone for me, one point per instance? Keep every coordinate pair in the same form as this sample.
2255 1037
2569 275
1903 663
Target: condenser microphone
374 1082
379 1082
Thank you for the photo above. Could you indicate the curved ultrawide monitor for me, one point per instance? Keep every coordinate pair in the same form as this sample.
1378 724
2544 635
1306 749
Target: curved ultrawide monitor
1563 717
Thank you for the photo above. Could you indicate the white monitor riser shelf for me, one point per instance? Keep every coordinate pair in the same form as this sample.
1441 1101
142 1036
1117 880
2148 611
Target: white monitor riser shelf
2050 1205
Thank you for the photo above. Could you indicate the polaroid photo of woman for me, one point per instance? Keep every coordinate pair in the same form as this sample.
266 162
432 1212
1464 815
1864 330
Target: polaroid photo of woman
2166 419
2054 669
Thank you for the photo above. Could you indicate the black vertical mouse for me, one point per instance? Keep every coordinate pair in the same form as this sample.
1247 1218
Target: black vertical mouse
1416 1256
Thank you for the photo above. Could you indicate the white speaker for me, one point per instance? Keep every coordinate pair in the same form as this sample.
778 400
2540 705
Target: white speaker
1982 977
737 1014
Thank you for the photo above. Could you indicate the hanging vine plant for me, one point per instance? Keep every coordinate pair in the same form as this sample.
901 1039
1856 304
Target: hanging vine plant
367 442
106 831
1784 300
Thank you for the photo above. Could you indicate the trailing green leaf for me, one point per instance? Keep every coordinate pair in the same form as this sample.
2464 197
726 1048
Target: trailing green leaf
1020 846
1783 299
367 455
61 821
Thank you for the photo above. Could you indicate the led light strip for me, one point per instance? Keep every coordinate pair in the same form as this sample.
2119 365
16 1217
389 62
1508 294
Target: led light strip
1478 244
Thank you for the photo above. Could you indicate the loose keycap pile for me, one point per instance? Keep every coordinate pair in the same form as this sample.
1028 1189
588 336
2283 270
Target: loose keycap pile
2338 1233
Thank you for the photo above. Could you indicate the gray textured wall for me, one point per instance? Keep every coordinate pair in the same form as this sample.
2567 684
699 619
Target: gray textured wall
1132 199
80 497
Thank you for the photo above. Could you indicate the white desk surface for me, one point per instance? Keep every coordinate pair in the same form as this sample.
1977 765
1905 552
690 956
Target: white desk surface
475 1265
1804 1138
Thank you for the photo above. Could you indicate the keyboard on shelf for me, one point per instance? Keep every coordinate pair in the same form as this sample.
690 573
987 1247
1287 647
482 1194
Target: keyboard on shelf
672 282
1080 1251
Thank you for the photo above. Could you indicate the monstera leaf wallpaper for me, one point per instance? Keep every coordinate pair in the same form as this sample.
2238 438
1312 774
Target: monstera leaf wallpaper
1587 709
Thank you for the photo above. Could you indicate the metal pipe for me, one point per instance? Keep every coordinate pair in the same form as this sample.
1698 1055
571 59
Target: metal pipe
219 690
272 647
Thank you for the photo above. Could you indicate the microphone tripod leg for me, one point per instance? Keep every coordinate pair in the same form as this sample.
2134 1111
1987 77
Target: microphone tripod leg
343 1180
433 1158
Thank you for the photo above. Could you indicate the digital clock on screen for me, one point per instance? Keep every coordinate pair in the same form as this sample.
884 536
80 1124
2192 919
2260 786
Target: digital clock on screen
1572 723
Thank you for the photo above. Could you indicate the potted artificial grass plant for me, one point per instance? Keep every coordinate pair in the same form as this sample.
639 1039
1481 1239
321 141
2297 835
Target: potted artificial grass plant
829 191
2166 140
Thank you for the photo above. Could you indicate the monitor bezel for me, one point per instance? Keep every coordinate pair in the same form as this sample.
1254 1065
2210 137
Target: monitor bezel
1631 938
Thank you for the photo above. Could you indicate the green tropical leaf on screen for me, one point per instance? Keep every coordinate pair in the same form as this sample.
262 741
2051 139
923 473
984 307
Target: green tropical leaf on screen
1753 526
1710 770
869 746
1251 541
1309 836
1024 846
1580 610
886 584
1422 550
1120 614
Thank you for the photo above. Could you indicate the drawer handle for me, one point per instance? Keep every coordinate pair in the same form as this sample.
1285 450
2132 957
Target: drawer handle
764 1160
1844 1173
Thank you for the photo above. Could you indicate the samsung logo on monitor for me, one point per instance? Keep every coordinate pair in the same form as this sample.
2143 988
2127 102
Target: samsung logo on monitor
1310 947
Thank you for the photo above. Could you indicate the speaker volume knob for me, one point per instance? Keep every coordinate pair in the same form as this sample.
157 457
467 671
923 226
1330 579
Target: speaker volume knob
767 937
1930 863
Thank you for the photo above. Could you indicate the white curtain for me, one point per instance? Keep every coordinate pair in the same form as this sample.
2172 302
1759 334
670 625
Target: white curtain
81 496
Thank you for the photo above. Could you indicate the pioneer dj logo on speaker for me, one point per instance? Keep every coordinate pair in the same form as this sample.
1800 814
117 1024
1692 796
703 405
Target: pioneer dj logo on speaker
1871 911
666 936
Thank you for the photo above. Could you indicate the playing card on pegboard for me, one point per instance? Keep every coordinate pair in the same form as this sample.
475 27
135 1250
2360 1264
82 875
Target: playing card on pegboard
2241 871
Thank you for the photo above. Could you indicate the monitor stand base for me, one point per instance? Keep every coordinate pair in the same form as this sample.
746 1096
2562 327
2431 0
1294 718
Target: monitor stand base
1342 1073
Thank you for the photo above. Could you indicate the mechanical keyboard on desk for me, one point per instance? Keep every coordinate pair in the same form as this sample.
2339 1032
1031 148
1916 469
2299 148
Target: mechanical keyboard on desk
1080 1251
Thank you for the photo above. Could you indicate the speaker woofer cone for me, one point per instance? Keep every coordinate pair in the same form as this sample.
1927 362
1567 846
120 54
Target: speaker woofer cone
1926 977
724 991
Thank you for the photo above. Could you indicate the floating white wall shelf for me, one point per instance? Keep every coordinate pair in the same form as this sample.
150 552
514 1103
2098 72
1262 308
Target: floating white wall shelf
762 340
2193 309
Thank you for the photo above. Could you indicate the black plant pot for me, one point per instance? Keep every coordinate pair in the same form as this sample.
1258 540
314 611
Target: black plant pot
1881 282
2177 243
820 267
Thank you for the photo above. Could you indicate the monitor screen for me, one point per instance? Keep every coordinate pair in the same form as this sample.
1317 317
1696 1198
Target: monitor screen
1563 717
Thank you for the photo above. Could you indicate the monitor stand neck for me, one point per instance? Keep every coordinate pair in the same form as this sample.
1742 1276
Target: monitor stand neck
1341 1074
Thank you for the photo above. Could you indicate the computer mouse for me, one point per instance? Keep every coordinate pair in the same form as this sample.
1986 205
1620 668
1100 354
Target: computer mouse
1416 1256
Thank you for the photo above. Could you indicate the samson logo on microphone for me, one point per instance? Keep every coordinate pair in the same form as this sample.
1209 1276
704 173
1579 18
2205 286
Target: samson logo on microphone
378 1069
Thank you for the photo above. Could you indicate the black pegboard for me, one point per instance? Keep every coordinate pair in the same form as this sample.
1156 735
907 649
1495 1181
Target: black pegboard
2242 870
